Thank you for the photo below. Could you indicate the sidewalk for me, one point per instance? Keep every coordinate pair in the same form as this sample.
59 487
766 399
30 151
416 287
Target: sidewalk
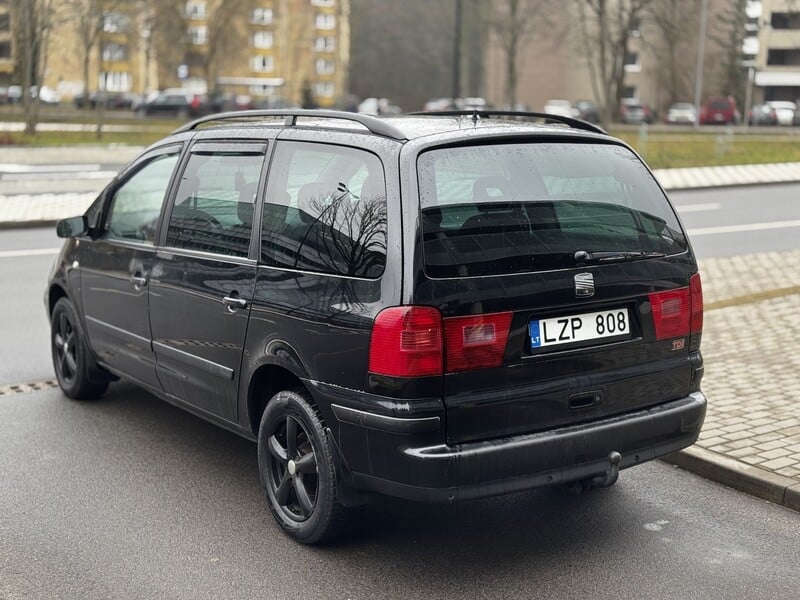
751 437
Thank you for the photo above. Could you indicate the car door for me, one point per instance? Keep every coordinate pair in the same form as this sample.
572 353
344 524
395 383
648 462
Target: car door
116 267
204 275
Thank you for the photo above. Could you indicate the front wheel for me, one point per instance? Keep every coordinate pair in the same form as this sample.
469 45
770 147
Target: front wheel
296 465
71 358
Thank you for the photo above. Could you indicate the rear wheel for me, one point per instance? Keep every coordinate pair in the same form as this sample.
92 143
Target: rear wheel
71 357
295 461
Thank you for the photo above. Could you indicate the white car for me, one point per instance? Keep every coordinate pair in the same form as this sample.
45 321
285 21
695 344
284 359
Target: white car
784 110
562 108
682 112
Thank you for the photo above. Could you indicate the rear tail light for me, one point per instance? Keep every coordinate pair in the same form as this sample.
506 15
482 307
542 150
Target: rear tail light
677 313
475 342
411 341
406 342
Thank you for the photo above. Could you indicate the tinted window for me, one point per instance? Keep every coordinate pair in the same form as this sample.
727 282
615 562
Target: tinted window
136 204
527 207
214 206
325 210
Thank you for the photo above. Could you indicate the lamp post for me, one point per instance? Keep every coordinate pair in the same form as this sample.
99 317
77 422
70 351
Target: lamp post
457 54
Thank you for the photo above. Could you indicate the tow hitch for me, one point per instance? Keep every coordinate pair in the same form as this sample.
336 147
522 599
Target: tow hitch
608 479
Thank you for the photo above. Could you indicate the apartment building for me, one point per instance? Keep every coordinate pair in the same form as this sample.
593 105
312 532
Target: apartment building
275 51
6 43
776 24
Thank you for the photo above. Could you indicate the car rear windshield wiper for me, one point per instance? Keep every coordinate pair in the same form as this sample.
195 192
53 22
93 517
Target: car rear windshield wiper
583 256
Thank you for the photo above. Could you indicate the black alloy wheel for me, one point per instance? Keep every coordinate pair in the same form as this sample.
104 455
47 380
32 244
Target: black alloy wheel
77 377
295 460
293 477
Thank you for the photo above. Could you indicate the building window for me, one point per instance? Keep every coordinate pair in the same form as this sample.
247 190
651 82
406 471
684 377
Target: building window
324 89
785 20
198 35
114 52
325 66
5 22
632 62
783 57
114 81
116 23
195 9
5 50
262 64
262 39
325 44
325 21
262 16
322 2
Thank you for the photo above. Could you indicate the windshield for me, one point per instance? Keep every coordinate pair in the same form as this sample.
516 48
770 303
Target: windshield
512 208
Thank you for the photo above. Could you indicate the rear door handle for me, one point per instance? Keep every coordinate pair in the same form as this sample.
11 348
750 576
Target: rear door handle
234 302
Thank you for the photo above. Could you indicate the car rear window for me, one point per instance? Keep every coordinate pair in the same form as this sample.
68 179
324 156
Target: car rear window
514 208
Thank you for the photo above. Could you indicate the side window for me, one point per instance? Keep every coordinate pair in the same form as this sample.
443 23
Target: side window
325 211
214 206
136 204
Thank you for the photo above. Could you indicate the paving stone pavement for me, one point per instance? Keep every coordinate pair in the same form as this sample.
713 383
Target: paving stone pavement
752 362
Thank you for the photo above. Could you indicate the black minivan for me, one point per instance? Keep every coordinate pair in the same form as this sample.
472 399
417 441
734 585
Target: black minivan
436 307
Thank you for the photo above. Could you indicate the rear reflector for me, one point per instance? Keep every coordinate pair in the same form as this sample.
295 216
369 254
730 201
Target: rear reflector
475 342
406 342
696 300
677 313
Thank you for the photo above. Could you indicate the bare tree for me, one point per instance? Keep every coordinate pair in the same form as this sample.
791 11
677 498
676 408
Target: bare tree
220 14
676 22
514 23
37 18
728 31
606 27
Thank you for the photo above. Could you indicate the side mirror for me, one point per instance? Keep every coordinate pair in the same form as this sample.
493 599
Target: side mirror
72 227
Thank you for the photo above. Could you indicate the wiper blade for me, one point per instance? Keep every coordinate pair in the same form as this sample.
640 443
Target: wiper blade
583 256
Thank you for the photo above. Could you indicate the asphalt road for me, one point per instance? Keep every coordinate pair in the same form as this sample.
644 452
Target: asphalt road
130 497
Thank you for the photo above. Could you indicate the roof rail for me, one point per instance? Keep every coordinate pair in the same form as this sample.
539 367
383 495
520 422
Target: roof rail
481 114
372 124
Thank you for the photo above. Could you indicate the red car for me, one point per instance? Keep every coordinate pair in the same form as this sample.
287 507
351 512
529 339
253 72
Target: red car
720 111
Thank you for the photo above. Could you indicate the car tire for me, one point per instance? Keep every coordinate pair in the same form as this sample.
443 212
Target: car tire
72 360
297 469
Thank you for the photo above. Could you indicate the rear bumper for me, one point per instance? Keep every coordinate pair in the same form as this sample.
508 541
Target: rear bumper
384 456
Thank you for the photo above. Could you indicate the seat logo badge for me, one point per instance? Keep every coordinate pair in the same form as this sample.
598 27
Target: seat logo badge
584 285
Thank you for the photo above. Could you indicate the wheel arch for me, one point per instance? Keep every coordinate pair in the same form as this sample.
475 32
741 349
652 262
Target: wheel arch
54 294
267 380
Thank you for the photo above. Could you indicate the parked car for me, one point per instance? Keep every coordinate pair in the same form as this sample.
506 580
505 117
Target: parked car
762 114
14 94
796 118
720 111
563 108
635 112
426 307
784 111
178 103
588 111
683 113
110 100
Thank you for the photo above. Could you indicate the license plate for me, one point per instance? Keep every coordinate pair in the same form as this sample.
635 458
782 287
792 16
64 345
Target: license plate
579 328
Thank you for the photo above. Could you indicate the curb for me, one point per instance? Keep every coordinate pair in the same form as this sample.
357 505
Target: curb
727 186
7 225
752 480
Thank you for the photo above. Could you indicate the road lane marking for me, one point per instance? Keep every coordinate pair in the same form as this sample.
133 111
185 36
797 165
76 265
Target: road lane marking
698 207
32 252
17 168
744 227
57 175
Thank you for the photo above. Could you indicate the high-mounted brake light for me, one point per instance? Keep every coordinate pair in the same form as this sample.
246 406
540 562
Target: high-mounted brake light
475 342
406 342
